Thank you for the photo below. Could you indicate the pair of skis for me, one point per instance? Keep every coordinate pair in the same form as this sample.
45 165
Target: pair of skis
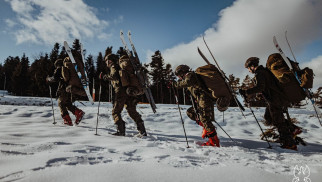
135 61
82 75
223 76
307 91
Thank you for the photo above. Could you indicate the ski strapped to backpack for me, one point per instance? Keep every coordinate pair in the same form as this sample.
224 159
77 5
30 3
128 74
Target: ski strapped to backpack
222 74
307 92
82 76
138 70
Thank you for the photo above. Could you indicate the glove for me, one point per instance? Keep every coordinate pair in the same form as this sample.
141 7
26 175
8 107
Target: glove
242 93
50 79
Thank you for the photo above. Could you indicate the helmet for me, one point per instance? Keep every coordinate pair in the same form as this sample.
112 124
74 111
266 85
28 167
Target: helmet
114 58
58 63
223 103
252 61
182 69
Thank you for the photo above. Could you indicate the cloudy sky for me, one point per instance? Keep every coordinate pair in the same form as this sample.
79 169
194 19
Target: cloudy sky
234 30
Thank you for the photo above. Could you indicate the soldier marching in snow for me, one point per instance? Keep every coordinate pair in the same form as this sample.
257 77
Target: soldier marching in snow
267 85
203 114
126 90
69 90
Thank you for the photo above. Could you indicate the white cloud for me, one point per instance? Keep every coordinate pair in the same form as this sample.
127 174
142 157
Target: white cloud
246 29
47 21
10 23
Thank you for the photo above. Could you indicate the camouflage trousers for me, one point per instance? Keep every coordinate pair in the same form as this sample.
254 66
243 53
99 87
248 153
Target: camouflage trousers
205 107
274 115
129 102
65 103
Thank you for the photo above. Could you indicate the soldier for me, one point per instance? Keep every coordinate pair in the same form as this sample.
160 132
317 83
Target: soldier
266 84
204 102
124 96
65 99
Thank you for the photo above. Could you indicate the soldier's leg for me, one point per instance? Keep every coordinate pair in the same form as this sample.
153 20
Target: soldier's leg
130 105
206 110
62 103
279 121
118 105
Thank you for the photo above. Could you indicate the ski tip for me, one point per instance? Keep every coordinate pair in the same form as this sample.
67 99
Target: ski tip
121 32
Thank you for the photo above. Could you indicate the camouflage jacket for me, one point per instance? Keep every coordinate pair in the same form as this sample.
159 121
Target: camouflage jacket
192 83
114 77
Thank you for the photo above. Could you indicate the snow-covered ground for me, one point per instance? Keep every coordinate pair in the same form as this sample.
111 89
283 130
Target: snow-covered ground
33 149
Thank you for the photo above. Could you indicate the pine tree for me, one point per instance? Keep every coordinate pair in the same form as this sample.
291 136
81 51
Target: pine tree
89 66
255 100
39 70
9 67
53 56
101 67
158 74
2 77
20 77
318 96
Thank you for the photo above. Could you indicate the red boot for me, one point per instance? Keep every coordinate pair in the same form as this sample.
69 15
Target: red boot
67 120
79 115
213 141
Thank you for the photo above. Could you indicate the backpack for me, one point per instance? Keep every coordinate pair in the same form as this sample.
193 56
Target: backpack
128 77
287 81
72 79
213 80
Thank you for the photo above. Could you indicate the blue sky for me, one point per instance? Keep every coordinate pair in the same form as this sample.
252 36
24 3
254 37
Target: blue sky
154 24
234 29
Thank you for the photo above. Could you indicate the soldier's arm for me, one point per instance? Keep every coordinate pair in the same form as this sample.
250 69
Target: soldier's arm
189 80
114 75
260 86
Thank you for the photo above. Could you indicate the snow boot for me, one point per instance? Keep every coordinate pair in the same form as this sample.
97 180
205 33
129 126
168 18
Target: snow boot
291 147
79 115
67 120
213 138
141 129
213 141
120 129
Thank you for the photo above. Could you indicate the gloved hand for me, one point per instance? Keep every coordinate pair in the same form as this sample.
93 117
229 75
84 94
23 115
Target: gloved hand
50 79
242 93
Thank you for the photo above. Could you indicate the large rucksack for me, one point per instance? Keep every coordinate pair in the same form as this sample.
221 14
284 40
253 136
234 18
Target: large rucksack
287 81
213 80
129 78
72 79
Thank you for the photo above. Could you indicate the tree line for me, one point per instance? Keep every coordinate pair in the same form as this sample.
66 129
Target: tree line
21 78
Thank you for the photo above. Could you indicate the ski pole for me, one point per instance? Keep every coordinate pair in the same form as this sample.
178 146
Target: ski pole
184 130
99 103
269 145
52 104
225 132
